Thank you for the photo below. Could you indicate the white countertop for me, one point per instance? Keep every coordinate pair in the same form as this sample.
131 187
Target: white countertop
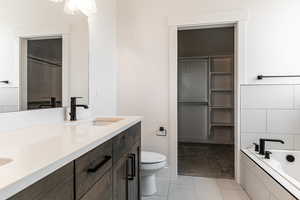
40 150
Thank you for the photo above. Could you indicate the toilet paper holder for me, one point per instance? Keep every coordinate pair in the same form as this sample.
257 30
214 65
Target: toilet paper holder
162 131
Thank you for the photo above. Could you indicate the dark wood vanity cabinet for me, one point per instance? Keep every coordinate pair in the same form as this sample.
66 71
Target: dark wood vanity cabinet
134 176
120 181
91 167
111 171
57 186
126 165
101 190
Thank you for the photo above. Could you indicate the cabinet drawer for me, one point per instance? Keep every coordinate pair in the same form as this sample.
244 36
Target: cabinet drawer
59 186
119 146
134 134
124 141
101 190
91 167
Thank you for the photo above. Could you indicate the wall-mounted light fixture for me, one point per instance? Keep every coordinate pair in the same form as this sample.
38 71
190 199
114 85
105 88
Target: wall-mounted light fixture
87 7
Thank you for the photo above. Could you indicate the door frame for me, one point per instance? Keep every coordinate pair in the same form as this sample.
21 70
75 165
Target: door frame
22 36
239 20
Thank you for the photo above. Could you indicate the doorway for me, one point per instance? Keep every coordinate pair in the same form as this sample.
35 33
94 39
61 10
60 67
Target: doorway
42 60
205 87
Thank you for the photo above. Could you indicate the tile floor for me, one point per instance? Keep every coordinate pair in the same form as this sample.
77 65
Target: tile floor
198 188
206 160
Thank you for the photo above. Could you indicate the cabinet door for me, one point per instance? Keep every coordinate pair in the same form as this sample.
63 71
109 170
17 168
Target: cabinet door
59 186
134 173
102 190
120 179
90 167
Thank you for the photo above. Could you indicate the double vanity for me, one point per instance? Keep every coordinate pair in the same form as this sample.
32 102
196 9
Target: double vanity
83 160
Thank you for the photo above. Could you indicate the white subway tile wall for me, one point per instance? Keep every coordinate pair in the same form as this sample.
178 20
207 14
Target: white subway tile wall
284 121
268 96
297 142
270 111
254 121
297 96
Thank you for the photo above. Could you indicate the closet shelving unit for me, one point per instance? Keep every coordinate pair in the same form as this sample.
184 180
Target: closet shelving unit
221 98
218 98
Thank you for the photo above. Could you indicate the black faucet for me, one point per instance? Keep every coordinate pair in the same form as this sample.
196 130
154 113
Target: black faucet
262 145
73 116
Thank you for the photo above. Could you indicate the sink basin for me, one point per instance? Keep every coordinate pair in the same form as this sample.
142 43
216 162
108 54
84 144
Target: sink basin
106 121
4 161
100 121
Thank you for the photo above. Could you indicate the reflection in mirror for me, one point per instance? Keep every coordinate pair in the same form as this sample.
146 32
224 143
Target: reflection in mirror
44 69
43 56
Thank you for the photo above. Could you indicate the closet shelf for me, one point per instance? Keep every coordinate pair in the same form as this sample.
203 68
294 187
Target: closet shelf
192 99
194 102
193 58
221 73
221 107
221 90
221 125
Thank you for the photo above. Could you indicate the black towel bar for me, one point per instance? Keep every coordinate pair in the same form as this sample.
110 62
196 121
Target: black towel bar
260 77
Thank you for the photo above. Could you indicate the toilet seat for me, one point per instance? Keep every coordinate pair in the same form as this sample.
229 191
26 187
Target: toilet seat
148 157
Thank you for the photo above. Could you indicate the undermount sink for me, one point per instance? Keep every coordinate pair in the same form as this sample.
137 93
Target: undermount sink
4 161
100 121
106 121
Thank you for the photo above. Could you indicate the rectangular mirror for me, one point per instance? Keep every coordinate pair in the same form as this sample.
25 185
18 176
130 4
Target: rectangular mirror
44 56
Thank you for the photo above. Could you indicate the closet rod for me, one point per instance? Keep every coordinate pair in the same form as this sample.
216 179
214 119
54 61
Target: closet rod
260 77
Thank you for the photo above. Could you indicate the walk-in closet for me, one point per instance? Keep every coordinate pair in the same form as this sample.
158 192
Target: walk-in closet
206 102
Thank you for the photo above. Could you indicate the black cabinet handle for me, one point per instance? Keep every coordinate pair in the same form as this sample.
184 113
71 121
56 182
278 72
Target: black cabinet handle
131 175
134 167
98 166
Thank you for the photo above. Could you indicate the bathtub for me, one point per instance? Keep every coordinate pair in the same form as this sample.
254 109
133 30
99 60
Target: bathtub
278 176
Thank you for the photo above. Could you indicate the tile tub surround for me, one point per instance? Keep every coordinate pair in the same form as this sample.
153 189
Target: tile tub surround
271 111
62 143
197 188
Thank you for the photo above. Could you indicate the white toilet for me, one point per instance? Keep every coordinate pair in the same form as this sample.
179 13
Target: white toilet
151 163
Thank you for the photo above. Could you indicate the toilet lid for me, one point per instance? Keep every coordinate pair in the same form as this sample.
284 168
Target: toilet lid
152 157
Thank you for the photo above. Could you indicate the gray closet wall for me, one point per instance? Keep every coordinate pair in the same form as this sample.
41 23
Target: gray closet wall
205 85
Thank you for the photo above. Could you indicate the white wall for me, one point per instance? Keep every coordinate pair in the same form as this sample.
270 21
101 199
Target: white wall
103 70
102 56
272 44
270 111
